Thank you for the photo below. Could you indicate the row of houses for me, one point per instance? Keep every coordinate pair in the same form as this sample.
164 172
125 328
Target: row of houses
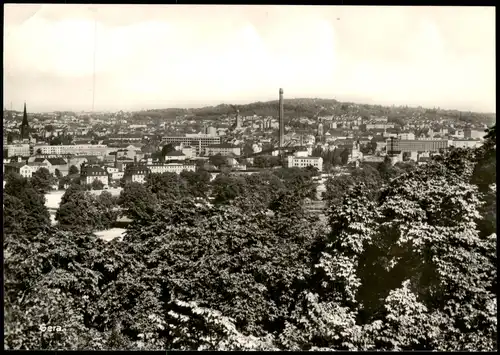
26 150
191 146
135 172
27 168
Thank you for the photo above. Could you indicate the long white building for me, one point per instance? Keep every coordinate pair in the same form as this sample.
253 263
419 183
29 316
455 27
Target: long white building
160 168
302 160
80 149
198 141
13 150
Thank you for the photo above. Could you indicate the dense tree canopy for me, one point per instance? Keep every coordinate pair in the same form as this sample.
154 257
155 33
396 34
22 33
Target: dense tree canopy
197 182
137 201
73 170
166 186
82 210
338 186
97 185
218 161
42 180
24 207
168 148
403 264
266 161
226 187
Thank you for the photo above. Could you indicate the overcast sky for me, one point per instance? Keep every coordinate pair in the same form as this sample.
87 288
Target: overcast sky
152 56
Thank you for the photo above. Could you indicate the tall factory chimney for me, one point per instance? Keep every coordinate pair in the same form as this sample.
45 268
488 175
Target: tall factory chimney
281 120
238 119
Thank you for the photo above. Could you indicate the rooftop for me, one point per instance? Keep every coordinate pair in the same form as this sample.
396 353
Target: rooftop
175 153
88 169
57 161
222 145
15 165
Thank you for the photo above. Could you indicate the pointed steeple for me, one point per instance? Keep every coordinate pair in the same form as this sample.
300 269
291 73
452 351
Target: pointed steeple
25 116
25 130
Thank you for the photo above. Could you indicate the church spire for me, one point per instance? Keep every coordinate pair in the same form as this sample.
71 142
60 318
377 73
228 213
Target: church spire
25 116
24 125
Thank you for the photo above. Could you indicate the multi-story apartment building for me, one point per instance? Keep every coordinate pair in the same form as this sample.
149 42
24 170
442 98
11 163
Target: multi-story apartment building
198 141
113 173
12 150
300 161
222 149
175 155
81 149
160 168
464 143
405 136
419 145
136 173
211 131
470 133
89 173
126 137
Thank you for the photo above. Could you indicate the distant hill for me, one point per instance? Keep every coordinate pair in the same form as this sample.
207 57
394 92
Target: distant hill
314 107
292 107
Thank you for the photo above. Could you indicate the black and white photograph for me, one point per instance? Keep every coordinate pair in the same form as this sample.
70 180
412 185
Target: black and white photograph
249 177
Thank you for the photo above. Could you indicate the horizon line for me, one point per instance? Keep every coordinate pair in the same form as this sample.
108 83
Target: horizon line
235 102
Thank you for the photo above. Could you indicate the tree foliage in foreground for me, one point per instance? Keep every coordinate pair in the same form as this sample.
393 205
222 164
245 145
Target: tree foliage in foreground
409 269
42 180
409 272
137 201
24 208
82 210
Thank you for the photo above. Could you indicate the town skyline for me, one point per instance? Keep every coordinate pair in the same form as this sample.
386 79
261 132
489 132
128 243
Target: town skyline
7 106
438 57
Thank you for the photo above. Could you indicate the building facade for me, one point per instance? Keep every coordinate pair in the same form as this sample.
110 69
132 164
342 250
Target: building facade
126 137
136 173
465 143
22 169
420 145
304 162
406 136
159 168
222 149
89 173
198 141
175 155
211 131
81 149
473 134
13 150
